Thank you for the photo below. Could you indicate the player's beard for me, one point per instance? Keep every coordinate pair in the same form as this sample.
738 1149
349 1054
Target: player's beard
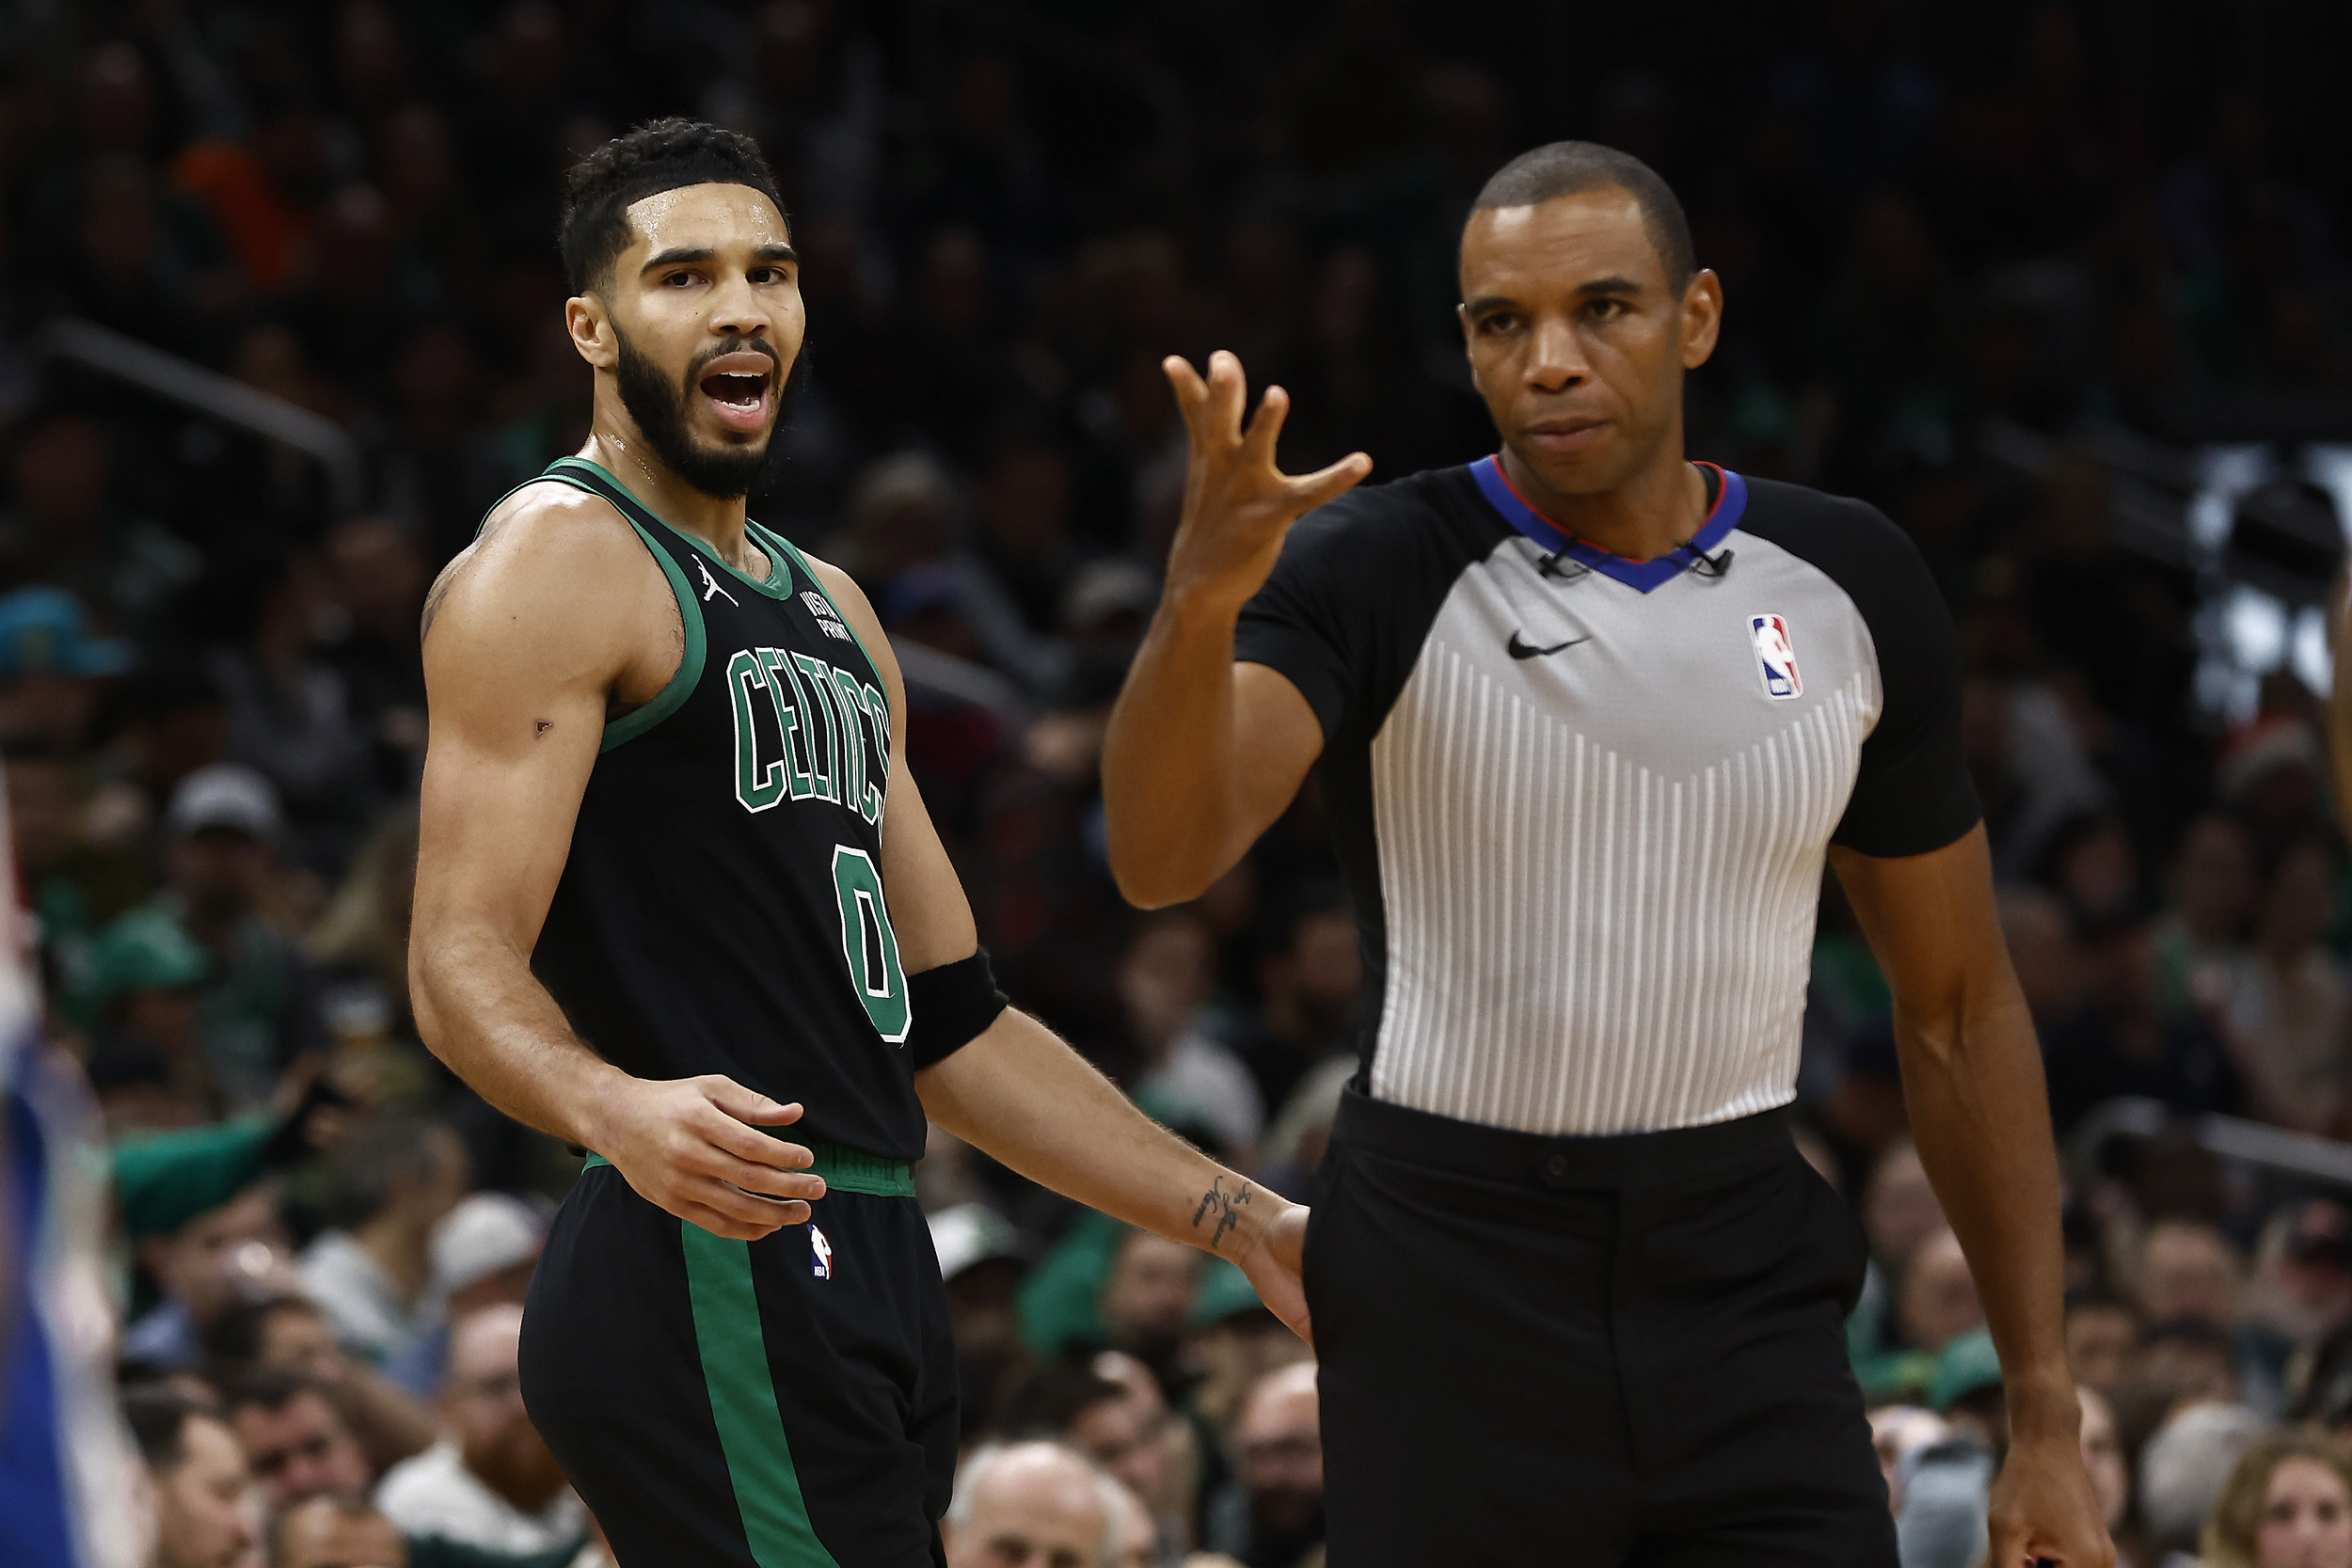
659 406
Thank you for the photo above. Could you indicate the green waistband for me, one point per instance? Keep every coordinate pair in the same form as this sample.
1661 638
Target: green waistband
847 1170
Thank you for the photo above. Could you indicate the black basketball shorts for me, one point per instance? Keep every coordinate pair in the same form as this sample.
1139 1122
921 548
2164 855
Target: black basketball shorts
788 1402
1583 1352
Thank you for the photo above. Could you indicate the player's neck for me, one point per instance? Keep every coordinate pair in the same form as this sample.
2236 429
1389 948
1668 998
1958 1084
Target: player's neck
1656 509
627 456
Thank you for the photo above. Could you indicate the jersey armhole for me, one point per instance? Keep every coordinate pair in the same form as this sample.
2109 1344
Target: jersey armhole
629 725
637 721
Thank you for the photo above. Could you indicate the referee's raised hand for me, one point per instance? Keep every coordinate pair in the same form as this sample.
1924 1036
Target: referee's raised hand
1202 754
1237 503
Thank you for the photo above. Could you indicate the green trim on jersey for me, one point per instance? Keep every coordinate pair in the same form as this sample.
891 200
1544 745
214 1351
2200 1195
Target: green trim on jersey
777 584
844 1170
637 721
744 1402
629 725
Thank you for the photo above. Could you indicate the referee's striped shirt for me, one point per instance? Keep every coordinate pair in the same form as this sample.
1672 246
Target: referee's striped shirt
1583 812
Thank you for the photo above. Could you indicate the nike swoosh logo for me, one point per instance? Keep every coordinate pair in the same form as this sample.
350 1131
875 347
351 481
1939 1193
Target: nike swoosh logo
1524 650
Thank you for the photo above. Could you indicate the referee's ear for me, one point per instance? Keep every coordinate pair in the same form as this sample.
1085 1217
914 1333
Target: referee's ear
1702 317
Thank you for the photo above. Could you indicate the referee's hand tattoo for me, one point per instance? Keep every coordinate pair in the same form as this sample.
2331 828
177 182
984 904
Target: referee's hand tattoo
1224 1205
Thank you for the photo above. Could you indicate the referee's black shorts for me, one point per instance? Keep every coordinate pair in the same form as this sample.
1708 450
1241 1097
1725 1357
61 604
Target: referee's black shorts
1587 1351
735 1405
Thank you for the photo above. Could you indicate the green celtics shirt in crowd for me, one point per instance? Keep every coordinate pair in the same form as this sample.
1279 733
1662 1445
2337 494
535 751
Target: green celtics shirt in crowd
721 909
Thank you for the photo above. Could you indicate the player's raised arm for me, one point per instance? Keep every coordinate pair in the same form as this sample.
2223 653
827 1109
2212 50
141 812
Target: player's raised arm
1004 1083
1203 753
531 637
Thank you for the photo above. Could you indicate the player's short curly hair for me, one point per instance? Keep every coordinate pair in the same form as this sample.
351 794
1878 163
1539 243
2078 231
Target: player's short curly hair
660 155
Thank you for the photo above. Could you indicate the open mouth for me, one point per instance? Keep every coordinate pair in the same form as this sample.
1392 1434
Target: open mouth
736 386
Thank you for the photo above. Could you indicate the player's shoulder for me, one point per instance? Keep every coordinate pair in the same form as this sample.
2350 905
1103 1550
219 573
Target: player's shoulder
549 521
1849 540
547 551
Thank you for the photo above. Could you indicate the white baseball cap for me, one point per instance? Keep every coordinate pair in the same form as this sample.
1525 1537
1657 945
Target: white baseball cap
970 1233
487 1233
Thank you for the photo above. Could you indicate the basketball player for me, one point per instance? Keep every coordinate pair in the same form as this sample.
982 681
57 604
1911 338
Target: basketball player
678 903
1588 717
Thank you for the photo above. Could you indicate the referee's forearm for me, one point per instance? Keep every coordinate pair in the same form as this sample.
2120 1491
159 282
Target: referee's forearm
1168 759
1980 1116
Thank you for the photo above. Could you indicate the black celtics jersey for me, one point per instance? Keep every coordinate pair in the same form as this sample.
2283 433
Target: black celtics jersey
722 908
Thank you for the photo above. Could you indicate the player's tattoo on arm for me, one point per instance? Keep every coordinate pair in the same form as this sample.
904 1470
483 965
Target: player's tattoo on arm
1222 1206
433 600
439 590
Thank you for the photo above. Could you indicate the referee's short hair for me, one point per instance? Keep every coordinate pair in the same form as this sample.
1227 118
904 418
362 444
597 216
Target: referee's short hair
1572 167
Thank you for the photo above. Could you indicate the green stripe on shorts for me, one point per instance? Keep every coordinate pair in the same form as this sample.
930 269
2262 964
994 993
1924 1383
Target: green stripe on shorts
847 1170
744 1402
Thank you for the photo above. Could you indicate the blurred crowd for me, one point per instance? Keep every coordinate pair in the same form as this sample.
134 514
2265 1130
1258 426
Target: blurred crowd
1970 254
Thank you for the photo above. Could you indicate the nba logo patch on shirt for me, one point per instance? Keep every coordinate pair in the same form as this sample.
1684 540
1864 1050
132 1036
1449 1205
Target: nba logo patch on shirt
821 1251
1775 658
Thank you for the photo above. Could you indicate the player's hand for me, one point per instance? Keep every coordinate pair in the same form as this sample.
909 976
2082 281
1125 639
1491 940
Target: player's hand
1237 505
694 1147
2044 1509
1275 1264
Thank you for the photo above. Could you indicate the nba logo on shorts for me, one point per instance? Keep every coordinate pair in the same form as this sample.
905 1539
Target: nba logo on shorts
1775 657
821 1250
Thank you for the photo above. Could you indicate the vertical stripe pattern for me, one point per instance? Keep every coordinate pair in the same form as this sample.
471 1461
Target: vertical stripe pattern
1578 944
744 1402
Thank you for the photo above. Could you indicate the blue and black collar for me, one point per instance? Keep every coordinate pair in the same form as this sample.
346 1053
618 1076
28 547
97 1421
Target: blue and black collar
1731 501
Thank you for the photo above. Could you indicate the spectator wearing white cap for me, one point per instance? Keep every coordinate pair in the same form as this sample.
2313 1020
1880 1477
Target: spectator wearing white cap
259 1012
483 1253
980 1258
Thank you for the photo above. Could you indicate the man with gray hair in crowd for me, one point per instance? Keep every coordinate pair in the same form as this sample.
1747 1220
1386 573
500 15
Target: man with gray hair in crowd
1029 1505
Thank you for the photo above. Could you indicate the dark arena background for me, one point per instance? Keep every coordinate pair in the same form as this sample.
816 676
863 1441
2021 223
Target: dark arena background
2062 289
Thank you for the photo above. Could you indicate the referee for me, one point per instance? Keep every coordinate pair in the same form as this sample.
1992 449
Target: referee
1589 717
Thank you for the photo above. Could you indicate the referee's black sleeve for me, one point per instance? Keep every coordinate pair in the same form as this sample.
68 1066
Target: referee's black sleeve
1349 603
1913 793
1298 625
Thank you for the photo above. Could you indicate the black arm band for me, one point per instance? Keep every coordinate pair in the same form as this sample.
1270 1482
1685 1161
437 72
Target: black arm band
953 1004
